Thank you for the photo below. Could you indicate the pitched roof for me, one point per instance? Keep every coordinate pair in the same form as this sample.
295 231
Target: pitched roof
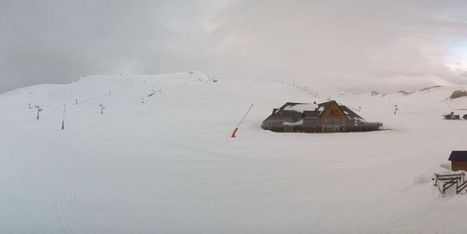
290 106
458 156
325 104
294 109
351 114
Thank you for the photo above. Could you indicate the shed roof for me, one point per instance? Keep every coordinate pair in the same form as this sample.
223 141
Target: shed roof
458 156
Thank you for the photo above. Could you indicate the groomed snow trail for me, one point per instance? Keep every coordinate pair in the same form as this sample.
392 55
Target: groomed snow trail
169 165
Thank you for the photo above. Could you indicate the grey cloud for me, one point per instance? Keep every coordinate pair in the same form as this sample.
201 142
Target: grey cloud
358 44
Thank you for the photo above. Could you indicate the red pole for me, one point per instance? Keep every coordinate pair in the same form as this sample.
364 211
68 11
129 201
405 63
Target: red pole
63 124
241 121
234 132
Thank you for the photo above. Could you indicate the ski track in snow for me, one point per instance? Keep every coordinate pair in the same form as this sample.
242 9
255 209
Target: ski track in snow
169 165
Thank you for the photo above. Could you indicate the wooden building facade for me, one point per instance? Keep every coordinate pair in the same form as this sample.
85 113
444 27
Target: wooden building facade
458 160
323 117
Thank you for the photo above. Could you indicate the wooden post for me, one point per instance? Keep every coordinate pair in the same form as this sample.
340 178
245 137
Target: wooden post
63 119
102 108
39 109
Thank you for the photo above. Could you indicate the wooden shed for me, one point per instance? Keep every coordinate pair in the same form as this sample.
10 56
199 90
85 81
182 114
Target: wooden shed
458 160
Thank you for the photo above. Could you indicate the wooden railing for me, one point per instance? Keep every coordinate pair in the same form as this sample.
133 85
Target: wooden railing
445 181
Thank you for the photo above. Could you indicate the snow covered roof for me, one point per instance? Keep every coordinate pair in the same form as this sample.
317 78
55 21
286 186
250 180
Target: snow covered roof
299 107
351 114
315 110
291 112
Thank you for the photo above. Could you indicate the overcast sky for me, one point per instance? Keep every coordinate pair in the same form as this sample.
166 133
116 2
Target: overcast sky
351 44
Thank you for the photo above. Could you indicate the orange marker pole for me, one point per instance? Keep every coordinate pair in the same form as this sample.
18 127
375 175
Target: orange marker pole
234 132
241 121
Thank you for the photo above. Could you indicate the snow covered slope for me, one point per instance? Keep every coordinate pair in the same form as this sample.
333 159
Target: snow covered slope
168 165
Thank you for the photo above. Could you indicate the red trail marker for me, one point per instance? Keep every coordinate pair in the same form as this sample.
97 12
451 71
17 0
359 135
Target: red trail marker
241 121
234 132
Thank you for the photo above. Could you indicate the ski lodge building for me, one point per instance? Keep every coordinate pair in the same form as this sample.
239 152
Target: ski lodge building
323 117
